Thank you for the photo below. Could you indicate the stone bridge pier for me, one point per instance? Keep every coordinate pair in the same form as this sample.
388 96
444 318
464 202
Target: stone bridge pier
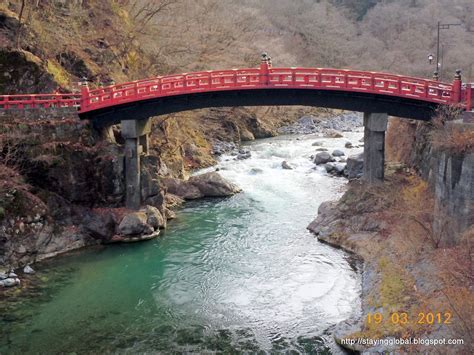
375 125
136 135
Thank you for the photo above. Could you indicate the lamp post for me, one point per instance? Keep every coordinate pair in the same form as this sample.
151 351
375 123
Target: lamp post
441 26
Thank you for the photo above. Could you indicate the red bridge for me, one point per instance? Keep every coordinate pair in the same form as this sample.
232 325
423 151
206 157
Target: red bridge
376 94
363 91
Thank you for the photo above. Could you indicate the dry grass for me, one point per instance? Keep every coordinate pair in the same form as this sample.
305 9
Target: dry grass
448 136
413 274
399 139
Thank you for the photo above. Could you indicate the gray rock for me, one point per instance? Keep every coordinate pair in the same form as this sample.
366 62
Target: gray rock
255 171
11 274
9 282
154 217
285 165
348 145
321 150
169 214
3 275
220 147
100 225
329 167
28 270
181 188
323 158
335 168
317 144
331 133
134 223
213 185
339 168
355 166
338 153
244 155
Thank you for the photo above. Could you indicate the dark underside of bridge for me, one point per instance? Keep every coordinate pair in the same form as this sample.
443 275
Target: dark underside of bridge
362 102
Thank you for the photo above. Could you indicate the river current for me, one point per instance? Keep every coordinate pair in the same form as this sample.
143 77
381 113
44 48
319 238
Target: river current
240 274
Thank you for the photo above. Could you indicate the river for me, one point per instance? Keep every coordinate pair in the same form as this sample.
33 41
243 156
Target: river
230 275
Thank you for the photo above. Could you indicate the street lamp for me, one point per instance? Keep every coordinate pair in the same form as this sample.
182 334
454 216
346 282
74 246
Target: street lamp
442 26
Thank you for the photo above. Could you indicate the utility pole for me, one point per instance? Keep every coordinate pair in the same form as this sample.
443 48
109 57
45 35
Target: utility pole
441 26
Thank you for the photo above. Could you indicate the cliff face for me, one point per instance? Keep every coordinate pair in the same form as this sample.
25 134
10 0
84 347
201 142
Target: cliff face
59 173
453 178
449 172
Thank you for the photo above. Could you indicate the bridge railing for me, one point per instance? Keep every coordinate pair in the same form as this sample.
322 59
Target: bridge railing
40 101
264 77
302 78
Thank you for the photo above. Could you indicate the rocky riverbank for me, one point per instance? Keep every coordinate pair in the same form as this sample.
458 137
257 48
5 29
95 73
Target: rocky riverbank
388 227
62 188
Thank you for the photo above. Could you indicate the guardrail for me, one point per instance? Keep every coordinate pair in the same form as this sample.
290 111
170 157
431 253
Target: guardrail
40 101
268 78
264 77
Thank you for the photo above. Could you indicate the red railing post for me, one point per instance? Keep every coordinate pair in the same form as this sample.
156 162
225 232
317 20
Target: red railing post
457 85
84 101
265 65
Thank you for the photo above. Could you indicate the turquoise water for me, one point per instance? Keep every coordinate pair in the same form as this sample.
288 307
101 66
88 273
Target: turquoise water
229 275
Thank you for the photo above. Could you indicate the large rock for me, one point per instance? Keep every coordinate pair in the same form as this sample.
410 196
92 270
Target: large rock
181 188
134 223
100 225
205 185
213 185
28 270
323 158
285 165
355 166
10 282
155 218
338 153
331 133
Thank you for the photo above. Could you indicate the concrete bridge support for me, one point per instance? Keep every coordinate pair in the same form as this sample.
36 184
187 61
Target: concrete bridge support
375 125
135 133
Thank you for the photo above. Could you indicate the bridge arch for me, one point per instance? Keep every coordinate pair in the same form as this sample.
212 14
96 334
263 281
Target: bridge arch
361 91
376 94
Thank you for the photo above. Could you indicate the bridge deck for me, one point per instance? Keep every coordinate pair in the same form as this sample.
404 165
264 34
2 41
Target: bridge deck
265 77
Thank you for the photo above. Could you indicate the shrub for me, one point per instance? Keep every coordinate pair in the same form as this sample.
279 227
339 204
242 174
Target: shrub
445 135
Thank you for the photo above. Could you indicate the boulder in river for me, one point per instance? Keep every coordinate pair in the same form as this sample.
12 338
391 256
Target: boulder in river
321 150
209 184
317 144
348 145
155 218
181 188
285 165
355 166
28 270
335 168
134 223
9 282
338 153
213 185
255 171
331 133
243 154
323 158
